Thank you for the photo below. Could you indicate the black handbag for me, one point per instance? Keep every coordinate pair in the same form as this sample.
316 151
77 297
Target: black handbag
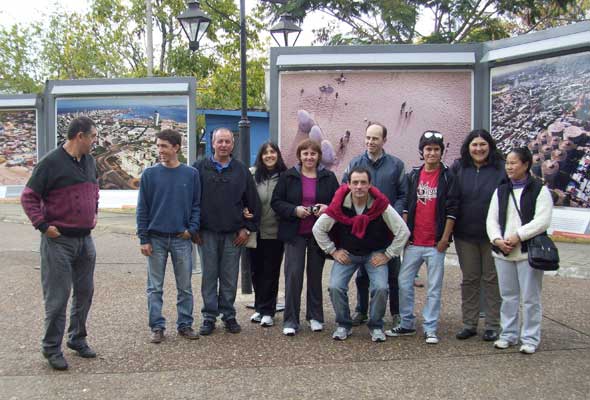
542 252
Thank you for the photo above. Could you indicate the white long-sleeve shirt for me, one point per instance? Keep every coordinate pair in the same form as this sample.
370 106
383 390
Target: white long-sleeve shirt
392 219
539 224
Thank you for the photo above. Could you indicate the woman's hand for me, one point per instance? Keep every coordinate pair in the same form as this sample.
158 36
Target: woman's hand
321 208
247 213
504 246
302 212
513 240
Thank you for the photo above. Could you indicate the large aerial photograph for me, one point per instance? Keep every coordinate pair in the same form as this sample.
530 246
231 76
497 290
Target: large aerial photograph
127 127
545 105
18 146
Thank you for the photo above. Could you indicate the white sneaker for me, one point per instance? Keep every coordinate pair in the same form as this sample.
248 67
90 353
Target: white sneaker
316 326
256 317
341 333
431 338
377 335
289 331
266 321
527 349
502 344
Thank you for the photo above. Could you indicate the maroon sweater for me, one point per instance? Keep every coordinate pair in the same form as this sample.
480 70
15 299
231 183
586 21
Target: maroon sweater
62 192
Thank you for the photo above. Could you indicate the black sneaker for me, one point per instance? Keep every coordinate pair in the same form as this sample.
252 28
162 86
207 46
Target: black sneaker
83 350
359 318
399 331
207 327
157 336
466 333
232 326
188 333
56 361
490 335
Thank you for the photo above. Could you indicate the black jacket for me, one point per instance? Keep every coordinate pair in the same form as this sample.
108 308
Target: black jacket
225 194
475 188
447 199
288 195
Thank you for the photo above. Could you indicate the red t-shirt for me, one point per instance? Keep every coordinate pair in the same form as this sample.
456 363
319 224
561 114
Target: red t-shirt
425 217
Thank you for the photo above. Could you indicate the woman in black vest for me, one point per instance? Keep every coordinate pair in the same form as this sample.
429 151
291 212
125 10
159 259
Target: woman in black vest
517 279
479 171
302 194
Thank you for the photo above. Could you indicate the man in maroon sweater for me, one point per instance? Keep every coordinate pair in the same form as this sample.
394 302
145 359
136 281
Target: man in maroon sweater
61 200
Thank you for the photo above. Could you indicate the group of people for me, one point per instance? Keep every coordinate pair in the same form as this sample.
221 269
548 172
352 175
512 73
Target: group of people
488 205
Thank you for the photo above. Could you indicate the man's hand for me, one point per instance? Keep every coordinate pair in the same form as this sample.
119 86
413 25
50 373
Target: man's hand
341 256
186 235
241 237
146 249
442 245
379 259
196 238
52 232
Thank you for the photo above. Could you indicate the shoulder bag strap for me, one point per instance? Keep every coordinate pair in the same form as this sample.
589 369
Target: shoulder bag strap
516 205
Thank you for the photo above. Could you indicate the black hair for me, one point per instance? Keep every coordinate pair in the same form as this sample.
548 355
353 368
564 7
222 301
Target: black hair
359 169
431 140
494 156
383 128
262 173
524 155
171 136
80 124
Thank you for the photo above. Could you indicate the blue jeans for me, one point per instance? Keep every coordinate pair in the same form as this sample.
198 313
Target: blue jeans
220 264
181 252
339 279
413 258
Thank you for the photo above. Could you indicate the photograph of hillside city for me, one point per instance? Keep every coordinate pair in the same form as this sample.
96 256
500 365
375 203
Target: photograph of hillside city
18 146
545 105
126 132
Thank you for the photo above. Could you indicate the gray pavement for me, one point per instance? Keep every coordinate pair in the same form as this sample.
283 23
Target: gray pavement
261 362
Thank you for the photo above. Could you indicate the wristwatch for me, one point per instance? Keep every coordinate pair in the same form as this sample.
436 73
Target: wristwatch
247 232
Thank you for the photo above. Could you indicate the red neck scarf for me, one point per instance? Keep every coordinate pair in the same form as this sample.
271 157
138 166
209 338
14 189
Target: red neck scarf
359 222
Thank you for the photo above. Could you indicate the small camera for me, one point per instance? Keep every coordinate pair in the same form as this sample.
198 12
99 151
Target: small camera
313 209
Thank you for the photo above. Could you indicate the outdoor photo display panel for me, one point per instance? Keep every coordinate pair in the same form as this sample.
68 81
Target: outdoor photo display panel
335 108
18 146
126 132
545 105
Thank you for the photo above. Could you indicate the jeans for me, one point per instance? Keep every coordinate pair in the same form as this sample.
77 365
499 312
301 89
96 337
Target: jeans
265 264
518 280
220 266
181 252
362 288
295 267
414 256
479 287
66 263
339 279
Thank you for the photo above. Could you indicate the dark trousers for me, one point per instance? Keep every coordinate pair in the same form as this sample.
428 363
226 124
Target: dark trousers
66 263
362 288
295 267
265 264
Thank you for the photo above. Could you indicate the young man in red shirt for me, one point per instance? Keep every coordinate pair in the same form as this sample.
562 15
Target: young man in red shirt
431 211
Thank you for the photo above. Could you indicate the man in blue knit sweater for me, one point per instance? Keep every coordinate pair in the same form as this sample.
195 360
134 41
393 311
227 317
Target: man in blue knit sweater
168 212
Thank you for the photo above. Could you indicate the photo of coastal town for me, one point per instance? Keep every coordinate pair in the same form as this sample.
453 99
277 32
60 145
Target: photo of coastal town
18 146
127 127
545 105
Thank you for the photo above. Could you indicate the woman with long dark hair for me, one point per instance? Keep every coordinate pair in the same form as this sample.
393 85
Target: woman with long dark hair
520 210
301 196
266 258
479 171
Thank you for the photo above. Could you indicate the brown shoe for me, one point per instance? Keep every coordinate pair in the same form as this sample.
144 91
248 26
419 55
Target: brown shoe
188 333
157 336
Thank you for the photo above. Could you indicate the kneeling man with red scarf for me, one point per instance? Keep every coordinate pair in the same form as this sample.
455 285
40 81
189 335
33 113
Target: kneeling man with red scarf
360 228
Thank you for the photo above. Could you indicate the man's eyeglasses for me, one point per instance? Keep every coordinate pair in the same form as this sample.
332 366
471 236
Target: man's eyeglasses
429 134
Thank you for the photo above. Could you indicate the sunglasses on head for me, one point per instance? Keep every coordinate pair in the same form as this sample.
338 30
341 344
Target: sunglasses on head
429 134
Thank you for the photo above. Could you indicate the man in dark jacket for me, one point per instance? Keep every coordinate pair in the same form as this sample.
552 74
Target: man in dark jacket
388 175
227 188
431 212
61 200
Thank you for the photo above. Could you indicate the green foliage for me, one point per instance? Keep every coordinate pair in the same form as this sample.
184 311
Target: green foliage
17 60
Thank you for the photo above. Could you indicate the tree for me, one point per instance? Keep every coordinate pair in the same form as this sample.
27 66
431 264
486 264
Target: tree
17 61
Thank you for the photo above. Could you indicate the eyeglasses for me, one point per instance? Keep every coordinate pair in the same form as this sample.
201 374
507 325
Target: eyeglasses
429 134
